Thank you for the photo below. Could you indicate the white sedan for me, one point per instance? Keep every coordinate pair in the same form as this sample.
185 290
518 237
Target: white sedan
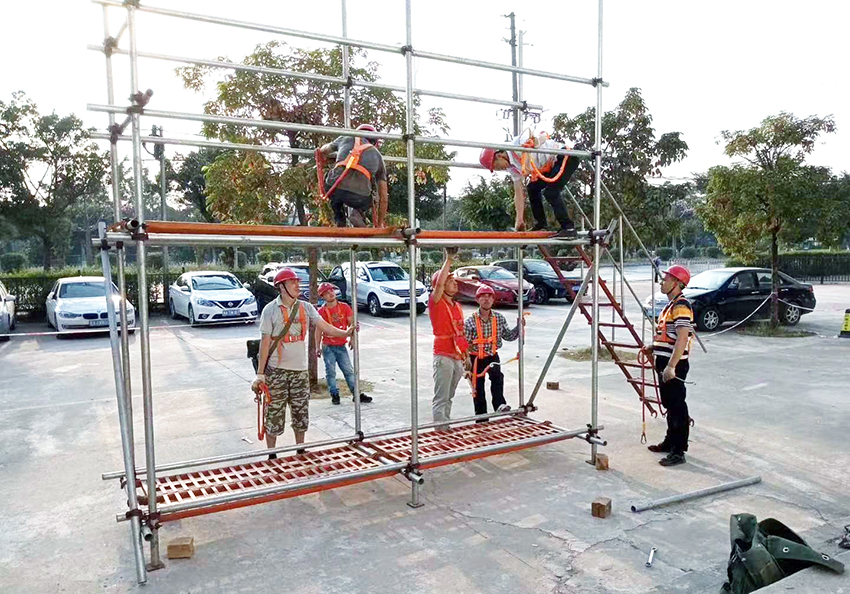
207 296
79 303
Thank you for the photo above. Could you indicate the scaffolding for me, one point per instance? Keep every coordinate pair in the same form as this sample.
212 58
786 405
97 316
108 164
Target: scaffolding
167 492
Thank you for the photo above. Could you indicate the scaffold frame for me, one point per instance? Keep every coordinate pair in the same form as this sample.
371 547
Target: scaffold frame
376 455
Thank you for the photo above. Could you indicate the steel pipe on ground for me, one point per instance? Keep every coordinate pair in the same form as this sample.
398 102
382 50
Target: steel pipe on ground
695 494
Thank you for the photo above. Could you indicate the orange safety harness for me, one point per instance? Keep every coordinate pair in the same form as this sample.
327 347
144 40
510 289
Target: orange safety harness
532 172
351 162
458 329
481 342
263 400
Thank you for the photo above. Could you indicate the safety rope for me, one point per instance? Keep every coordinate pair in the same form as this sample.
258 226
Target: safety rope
536 174
645 362
263 399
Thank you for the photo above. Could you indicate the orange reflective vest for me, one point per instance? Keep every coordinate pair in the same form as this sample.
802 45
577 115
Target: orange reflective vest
289 337
353 160
481 341
661 327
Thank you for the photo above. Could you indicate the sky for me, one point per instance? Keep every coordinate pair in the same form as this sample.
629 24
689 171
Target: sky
703 67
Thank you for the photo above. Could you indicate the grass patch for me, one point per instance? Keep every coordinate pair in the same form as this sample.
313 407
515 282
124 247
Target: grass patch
321 389
584 354
763 329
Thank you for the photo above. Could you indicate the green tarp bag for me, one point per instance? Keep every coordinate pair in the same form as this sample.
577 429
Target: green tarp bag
765 552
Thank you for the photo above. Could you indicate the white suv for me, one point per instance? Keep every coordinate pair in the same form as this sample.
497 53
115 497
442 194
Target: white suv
381 286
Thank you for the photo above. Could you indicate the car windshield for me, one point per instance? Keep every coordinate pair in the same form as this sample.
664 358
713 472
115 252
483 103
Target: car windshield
710 279
496 273
215 282
539 267
387 273
303 274
82 290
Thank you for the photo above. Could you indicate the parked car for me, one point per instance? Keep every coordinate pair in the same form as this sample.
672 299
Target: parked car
504 283
8 313
731 294
540 273
264 285
79 303
208 296
381 286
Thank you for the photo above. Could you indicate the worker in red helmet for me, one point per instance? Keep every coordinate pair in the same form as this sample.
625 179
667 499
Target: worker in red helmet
332 348
670 347
485 330
359 172
283 357
450 344
543 175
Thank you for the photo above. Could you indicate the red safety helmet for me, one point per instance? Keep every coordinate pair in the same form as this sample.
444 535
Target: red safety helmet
680 273
284 274
436 275
369 127
484 290
325 287
487 157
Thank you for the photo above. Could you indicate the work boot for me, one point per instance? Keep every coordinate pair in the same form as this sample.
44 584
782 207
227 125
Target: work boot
672 459
301 451
661 448
364 398
334 398
539 226
567 231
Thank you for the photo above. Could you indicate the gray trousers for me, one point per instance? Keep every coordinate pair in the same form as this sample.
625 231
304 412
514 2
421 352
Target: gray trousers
447 375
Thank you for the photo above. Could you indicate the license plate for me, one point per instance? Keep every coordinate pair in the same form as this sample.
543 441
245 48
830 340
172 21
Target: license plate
230 313
99 323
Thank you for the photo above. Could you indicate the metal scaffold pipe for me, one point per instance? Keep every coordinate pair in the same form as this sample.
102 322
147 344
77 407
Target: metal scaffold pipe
695 494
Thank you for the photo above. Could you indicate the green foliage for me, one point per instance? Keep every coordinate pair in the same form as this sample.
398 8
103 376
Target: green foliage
713 252
688 253
192 184
665 253
265 256
154 260
12 261
805 264
488 204
241 259
364 256
465 255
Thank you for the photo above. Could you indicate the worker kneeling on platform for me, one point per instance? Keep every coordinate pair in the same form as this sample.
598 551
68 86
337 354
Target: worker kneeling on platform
331 348
450 346
485 329
670 346
358 171
544 175
283 357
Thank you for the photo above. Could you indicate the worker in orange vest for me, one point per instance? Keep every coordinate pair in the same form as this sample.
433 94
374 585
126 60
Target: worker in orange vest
543 175
359 170
485 330
450 344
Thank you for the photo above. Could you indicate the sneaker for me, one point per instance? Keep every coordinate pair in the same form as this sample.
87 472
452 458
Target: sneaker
539 227
661 448
672 459
567 232
301 451
334 398
504 408
364 398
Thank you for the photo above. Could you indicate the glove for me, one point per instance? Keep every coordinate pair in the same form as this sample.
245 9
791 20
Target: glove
260 379
669 374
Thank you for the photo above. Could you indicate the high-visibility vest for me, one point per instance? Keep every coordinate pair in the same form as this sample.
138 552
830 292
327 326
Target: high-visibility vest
457 336
661 327
480 340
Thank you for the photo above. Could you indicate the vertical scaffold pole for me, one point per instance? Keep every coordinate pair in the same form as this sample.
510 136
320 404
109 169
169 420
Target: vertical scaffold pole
124 418
597 148
144 321
411 254
355 340
116 213
345 69
521 339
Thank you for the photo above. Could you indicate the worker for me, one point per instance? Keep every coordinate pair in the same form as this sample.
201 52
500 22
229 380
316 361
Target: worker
670 347
450 346
358 171
283 357
544 175
485 330
332 348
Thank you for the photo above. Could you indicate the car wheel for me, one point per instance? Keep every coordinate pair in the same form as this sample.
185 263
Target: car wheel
709 319
192 320
541 294
790 315
171 309
374 306
420 308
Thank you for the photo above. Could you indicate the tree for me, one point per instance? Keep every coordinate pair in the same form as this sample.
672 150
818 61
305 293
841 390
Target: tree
488 204
773 195
630 154
47 165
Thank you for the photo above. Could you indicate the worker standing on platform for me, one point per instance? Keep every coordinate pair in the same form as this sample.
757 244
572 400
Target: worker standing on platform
332 348
359 171
283 357
485 329
543 175
671 344
450 346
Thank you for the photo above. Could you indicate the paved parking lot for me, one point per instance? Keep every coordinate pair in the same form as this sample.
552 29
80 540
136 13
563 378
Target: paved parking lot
520 522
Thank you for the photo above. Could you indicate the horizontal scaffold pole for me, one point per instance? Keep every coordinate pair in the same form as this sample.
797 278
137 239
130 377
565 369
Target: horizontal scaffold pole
331 130
381 47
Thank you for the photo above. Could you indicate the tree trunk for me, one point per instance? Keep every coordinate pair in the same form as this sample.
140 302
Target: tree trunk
774 286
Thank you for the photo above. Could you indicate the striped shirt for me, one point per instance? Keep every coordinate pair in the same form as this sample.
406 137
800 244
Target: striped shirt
676 314
502 332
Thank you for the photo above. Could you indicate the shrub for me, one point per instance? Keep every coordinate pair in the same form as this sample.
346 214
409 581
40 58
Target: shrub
464 255
154 260
241 259
713 252
364 256
665 253
501 255
12 261
688 253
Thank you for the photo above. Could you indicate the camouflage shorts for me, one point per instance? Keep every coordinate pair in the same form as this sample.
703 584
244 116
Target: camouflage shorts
287 387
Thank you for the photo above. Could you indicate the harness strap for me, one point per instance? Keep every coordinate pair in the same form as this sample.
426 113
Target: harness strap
481 341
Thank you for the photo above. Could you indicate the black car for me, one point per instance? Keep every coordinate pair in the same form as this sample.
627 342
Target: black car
265 292
541 274
731 294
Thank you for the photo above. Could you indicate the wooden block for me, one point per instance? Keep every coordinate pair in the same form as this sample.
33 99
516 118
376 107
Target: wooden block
601 462
553 385
601 507
182 547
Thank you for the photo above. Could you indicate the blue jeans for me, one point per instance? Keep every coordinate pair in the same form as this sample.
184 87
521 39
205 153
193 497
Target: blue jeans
333 356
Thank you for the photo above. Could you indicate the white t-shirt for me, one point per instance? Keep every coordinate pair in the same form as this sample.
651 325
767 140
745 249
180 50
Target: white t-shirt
540 159
288 355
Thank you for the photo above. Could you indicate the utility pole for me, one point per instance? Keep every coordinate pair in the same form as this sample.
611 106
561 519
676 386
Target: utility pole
159 153
513 43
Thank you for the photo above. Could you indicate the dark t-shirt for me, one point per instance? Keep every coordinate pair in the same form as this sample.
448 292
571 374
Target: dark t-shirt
355 181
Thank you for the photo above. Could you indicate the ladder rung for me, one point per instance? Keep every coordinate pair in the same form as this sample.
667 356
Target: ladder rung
640 382
605 304
635 365
611 325
623 345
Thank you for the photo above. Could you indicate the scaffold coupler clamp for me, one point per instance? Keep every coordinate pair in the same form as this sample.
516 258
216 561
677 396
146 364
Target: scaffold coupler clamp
360 436
411 473
592 436
139 100
152 521
410 233
596 81
528 408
